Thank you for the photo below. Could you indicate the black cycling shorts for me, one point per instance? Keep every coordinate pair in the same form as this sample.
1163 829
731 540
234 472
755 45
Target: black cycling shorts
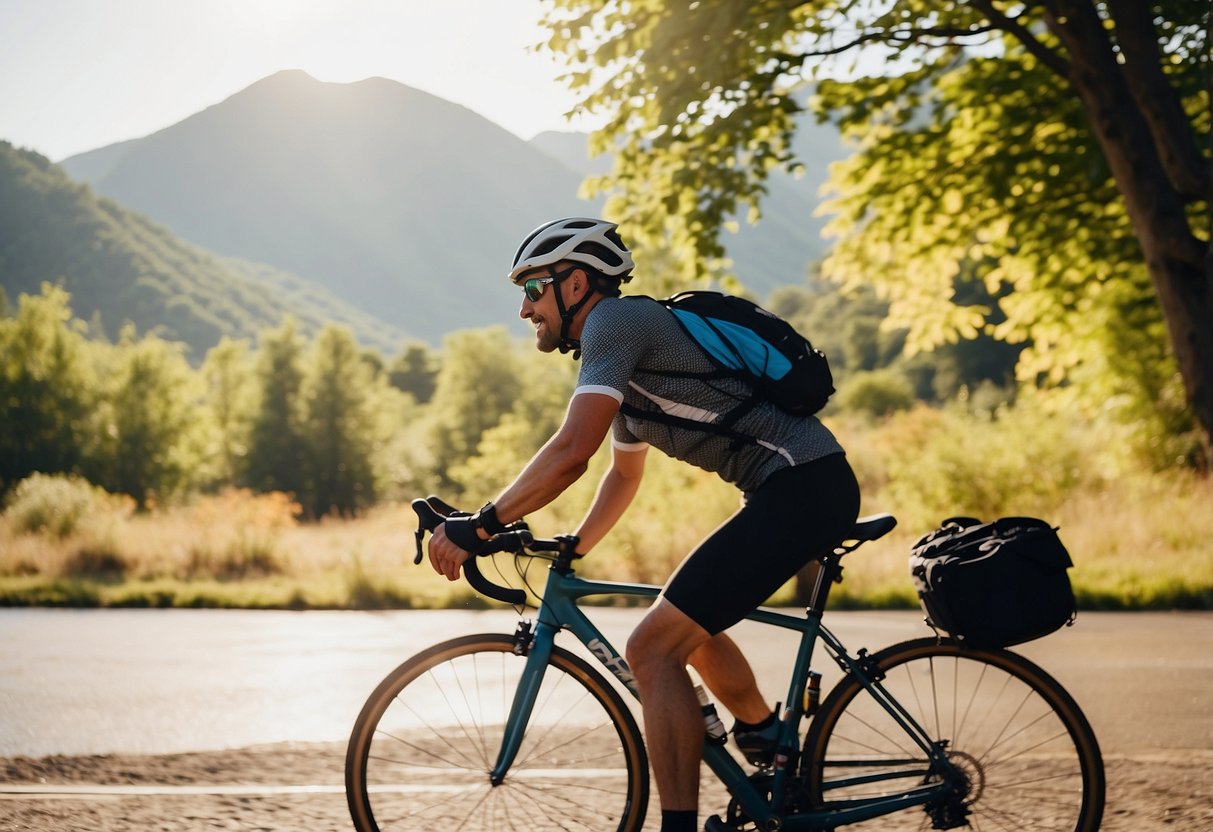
796 515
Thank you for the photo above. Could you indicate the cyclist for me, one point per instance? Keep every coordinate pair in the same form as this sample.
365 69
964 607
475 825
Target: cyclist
800 495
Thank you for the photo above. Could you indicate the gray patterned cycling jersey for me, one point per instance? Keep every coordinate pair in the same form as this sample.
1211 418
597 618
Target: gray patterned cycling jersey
624 337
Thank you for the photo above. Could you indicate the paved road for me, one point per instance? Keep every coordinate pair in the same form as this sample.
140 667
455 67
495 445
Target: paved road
98 681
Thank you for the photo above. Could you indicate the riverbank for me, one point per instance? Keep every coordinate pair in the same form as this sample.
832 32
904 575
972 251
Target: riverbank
1140 545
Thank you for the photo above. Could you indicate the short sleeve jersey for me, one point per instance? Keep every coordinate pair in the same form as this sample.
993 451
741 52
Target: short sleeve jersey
624 338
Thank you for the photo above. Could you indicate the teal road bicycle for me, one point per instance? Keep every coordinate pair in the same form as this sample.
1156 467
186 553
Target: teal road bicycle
509 731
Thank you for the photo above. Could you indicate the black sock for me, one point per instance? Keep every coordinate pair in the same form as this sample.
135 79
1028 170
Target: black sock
678 821
738 725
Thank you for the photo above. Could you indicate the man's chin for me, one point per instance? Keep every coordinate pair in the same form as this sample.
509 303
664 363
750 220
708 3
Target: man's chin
545 341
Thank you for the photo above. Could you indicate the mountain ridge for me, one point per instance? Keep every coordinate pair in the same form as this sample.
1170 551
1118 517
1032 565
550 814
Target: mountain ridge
352 186
406 205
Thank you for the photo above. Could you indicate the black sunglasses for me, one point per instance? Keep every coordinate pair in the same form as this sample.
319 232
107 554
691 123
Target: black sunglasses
533 287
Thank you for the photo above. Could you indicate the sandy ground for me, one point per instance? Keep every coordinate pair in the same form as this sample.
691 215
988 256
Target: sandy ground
298 787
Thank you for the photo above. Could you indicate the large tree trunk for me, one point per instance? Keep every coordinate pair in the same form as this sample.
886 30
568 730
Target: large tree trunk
1158 170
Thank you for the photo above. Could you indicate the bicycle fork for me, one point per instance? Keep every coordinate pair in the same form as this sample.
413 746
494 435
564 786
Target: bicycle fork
536 645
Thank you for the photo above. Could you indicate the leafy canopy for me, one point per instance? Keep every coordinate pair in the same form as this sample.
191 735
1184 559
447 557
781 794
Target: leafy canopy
976 173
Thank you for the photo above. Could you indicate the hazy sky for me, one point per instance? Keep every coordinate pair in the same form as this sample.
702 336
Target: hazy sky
79 74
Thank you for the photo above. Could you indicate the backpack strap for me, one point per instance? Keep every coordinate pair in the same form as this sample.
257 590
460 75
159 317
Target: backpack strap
722 428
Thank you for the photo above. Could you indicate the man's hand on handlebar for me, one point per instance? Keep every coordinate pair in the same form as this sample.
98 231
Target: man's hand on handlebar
458 535
445 556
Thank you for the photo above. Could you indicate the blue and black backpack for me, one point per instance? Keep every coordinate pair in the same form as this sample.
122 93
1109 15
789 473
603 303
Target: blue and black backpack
745 341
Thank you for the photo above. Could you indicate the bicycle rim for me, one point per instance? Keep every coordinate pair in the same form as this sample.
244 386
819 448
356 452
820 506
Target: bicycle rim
421 751
1026 756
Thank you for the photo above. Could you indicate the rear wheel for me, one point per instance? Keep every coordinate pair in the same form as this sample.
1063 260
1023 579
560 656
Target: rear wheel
1022 754
421 751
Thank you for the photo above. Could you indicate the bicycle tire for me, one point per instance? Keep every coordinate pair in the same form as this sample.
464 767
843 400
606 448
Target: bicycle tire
421 749
1029 756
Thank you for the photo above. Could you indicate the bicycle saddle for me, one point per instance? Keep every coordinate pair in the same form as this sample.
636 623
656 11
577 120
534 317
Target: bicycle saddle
872 527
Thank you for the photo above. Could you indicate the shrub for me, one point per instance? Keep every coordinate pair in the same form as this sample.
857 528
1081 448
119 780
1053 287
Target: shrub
877 393
58 505
100 562
237 534
1017 461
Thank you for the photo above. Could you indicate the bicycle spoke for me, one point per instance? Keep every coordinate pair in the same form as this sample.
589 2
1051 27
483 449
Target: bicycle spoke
1020 757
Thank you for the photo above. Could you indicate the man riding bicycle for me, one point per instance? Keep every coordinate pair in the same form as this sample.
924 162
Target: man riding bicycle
800 495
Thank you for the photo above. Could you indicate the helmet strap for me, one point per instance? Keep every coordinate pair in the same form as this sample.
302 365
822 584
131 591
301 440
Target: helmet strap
567 314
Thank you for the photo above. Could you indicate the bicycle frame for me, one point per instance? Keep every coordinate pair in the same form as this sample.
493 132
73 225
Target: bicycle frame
559 610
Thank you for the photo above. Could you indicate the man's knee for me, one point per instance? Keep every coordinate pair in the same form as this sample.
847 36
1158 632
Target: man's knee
664 638
640 650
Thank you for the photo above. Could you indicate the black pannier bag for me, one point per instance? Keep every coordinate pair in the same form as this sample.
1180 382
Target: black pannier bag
993 584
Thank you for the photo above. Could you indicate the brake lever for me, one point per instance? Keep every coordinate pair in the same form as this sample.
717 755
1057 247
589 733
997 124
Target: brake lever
419 537
431 512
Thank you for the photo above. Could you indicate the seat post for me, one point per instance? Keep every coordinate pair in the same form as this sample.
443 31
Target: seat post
825 573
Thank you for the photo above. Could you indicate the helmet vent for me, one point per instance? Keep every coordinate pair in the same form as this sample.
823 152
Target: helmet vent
601 252
549 245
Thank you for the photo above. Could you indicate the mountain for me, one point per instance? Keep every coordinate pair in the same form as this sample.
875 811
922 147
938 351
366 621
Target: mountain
573 151
406 205
119 266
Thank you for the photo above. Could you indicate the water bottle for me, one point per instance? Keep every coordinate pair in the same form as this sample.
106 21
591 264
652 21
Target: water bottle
717 735
812 693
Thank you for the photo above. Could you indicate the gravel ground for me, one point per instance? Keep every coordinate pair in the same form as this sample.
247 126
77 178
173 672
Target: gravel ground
299 787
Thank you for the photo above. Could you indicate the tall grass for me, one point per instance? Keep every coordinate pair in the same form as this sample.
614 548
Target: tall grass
1139 539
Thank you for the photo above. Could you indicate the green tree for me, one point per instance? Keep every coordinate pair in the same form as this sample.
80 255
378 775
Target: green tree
228 374
415 371
478 385
148 440
339 426
1061 144
276 447
545 385
849 326
46 388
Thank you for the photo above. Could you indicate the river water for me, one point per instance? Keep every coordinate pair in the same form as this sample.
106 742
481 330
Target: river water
160 681
156 681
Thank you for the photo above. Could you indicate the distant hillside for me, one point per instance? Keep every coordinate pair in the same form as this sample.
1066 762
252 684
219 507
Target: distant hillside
119 266
776 251
403 204
572 150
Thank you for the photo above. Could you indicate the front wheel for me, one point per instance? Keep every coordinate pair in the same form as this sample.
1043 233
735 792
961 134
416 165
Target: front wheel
422 748
1020 753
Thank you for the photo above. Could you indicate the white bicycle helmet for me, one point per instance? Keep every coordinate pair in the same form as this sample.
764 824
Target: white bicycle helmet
591 242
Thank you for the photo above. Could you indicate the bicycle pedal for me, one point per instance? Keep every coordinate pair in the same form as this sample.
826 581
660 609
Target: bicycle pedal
715 824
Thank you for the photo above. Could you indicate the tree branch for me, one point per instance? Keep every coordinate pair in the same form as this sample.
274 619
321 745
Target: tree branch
1011 25
903 36
1186 167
